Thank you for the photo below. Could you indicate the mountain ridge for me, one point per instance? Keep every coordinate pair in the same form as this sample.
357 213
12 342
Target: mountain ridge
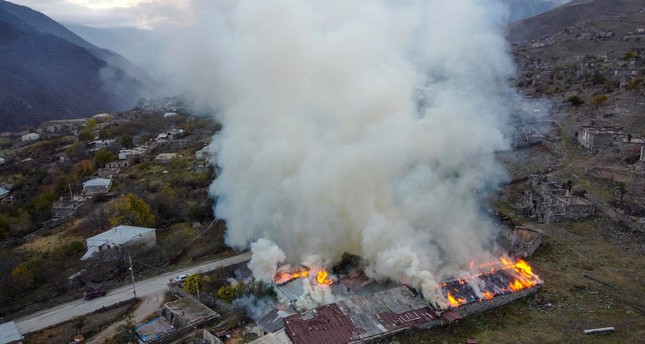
47 72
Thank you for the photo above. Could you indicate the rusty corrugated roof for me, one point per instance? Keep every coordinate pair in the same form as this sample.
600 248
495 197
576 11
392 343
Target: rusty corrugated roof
327 325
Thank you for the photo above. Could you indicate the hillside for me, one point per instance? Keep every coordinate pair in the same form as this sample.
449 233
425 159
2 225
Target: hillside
570 14
47 72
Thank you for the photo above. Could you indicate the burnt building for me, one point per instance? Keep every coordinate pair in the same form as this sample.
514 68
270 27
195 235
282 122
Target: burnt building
594 138
550 200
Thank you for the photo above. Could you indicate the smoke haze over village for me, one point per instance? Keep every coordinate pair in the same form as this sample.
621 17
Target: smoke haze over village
324 149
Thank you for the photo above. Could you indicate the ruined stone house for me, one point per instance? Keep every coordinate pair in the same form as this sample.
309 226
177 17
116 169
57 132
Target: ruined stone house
594 138
549 200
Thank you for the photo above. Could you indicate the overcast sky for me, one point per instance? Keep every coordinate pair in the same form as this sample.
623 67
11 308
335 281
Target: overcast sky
144 14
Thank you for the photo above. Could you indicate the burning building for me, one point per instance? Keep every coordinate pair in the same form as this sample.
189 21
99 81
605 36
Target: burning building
364 316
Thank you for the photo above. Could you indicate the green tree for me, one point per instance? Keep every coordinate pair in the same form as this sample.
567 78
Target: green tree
102 157
125 333
132 210
229 292
85 135
105 134
126 141
91 124
79 322
82 169
77 150
194 283
40 207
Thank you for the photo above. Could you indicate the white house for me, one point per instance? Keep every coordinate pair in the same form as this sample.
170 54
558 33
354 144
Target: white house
169 114
30 137
2 161
120 236
97 186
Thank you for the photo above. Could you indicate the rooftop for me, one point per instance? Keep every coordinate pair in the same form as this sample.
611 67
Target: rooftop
191 310
98 182
9 333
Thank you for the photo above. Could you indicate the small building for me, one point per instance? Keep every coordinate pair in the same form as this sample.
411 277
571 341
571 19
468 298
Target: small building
524 241
130 154
2 160
9 333
187 312
165 158
65 207
97 186
30 137
117 164
100 144
596 138
549 200
119 237
169 114
173 134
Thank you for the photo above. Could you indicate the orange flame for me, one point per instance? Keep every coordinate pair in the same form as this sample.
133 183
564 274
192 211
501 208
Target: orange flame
323 278
282 277
523 277
453 301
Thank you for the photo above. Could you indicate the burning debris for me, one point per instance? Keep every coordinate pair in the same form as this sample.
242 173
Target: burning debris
288 274
500 278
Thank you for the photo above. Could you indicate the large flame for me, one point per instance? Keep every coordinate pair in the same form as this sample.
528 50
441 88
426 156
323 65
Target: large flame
520 270
323 278
282 277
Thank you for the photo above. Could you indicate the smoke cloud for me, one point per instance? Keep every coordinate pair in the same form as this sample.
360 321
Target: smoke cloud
361 127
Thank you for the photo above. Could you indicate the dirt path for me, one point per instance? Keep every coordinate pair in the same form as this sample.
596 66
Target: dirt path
150 305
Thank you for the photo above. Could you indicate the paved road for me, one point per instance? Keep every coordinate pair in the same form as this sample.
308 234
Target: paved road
64 312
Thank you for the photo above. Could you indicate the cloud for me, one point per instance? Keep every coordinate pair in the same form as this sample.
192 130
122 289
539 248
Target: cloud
149 14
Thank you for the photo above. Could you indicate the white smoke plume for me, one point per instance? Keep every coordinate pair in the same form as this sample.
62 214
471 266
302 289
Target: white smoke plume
324 148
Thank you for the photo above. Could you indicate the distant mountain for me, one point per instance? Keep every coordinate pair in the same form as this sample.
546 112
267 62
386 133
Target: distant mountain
521 9
48 72
131 43
568 15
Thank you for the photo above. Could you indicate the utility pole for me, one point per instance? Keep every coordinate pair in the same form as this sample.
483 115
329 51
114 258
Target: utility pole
134 289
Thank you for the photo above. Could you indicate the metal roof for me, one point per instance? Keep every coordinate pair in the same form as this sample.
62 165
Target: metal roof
98 182
9 333
116 236
326 325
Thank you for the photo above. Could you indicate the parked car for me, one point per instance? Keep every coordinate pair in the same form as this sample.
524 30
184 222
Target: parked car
94 293
181 278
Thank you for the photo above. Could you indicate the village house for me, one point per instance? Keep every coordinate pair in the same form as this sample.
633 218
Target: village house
631 146
65 207
177 318
2 161
165 158
173 134
129 154
100 144
120 237
30 137
97 186
169 114
117 164
549 200
595 138
107 173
